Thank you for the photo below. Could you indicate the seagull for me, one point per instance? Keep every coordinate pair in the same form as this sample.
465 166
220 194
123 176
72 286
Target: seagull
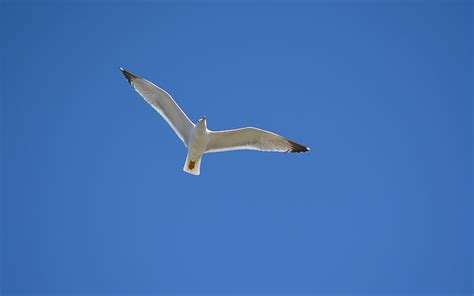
197 138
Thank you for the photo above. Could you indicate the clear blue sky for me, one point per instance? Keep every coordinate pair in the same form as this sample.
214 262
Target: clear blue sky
94 197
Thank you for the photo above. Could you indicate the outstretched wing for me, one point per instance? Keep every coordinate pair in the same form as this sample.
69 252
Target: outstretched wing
251 138
162 102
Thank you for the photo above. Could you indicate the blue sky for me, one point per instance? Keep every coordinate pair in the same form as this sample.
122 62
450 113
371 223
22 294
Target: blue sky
94 197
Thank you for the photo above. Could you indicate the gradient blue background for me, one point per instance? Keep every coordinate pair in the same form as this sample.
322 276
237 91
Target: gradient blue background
94 198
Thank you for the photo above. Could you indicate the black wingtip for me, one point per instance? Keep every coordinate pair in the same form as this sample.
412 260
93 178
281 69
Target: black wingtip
295 147
128 75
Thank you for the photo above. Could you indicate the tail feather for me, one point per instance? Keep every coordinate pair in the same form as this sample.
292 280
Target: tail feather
192 166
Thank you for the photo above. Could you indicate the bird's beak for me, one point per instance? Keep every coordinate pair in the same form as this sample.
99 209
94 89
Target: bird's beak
203 118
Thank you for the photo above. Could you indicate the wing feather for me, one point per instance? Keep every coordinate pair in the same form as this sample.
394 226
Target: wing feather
251 138
163 103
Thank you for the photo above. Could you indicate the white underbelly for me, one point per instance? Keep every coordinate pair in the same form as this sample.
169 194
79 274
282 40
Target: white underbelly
197 146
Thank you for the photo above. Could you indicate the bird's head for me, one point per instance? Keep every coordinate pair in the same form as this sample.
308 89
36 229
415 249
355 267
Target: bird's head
202 121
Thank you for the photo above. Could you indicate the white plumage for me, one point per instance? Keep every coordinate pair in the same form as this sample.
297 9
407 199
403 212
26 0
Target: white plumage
197 138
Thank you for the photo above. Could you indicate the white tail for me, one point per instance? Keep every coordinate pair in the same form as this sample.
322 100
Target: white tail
192 167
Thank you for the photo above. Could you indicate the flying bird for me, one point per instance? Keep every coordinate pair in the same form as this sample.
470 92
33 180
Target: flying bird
197 138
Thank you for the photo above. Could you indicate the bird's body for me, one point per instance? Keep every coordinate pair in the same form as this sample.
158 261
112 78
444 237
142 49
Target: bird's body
197 138
196 147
